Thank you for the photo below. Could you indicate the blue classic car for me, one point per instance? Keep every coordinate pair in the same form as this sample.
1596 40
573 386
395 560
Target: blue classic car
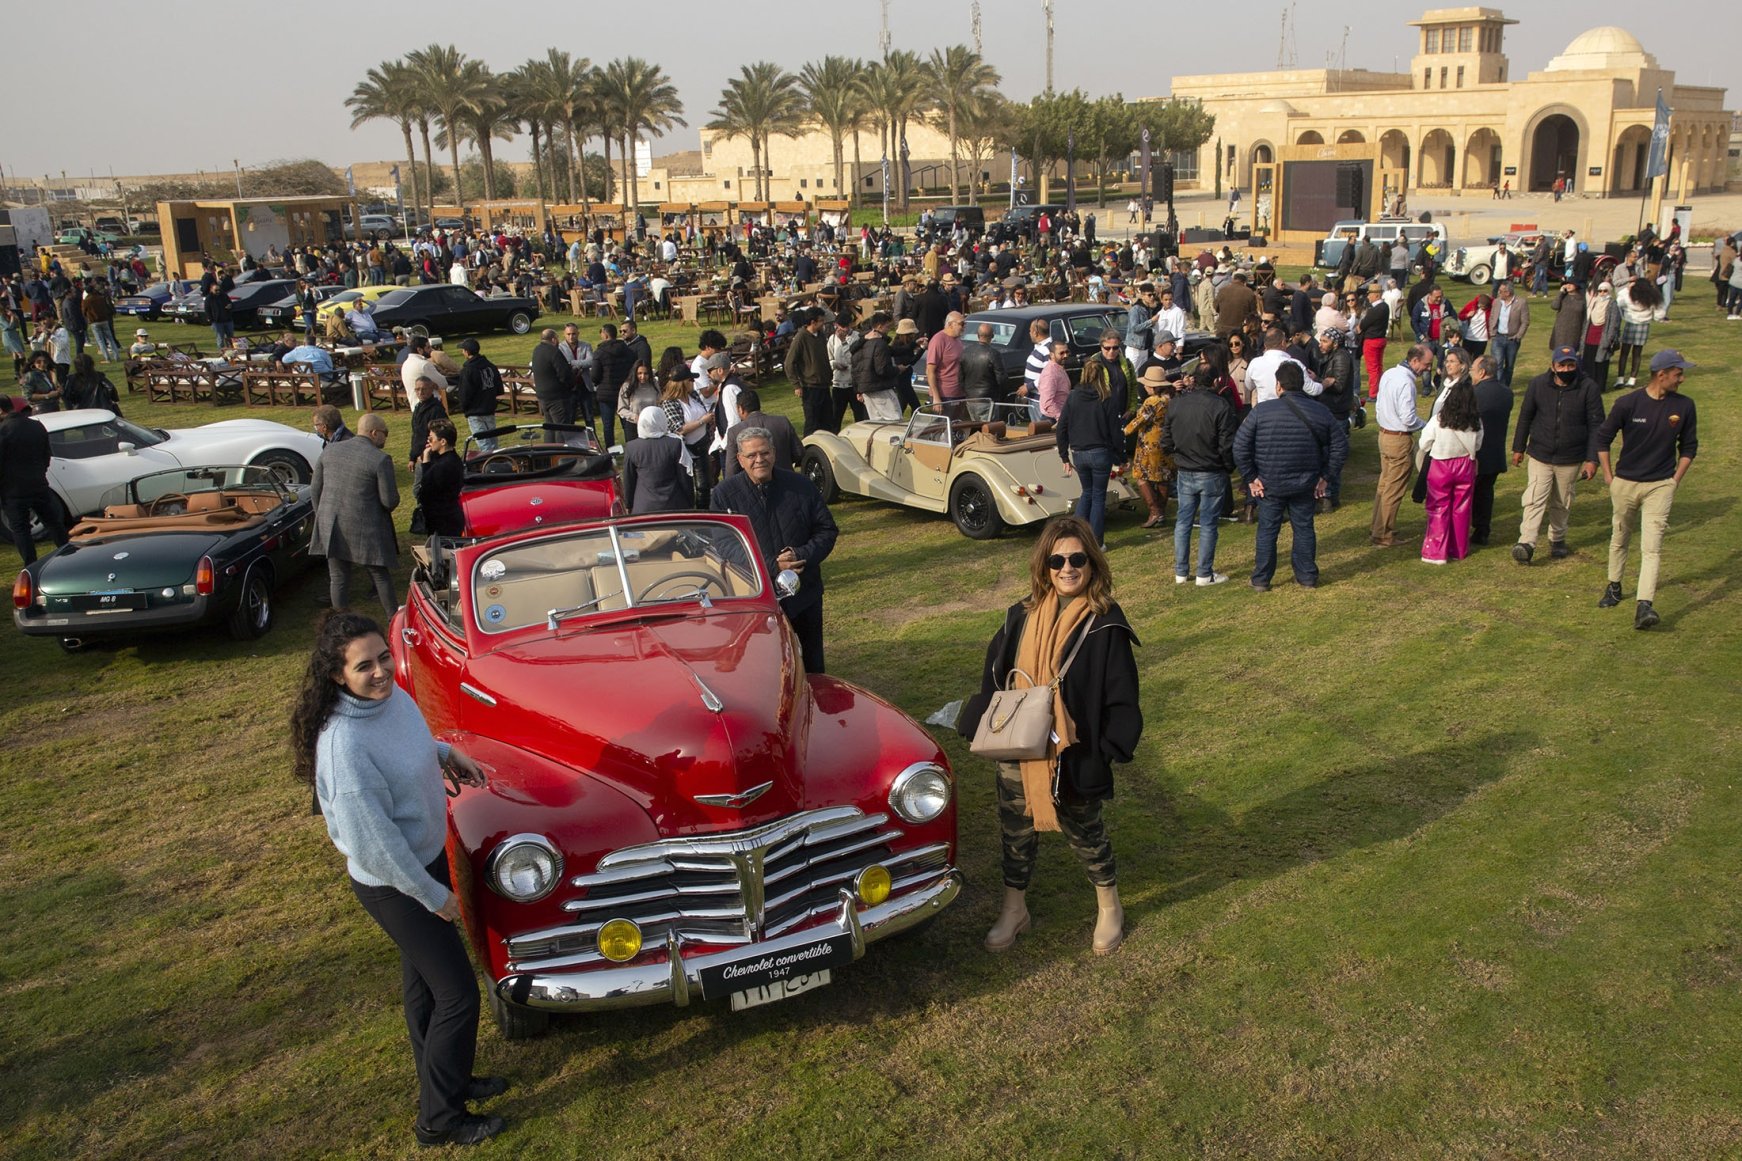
169 550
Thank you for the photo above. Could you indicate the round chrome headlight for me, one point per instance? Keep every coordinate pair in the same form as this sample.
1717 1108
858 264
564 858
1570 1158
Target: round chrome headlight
524 868
920 793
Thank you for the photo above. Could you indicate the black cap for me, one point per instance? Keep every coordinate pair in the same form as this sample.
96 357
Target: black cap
470 346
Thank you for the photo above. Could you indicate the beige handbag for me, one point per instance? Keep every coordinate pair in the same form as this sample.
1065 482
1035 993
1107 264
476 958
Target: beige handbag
1017 724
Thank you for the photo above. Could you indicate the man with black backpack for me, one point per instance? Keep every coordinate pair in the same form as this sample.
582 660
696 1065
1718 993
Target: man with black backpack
480 387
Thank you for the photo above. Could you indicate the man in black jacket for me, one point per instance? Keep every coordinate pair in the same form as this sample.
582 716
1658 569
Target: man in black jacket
480 387
24 489
793 531
1494 400
613 362
877 378
1289 450
982 375
1338 379
1557 428
807 365
1198 432
552 380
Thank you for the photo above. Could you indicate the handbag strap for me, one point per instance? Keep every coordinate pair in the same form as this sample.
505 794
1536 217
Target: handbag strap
1063 669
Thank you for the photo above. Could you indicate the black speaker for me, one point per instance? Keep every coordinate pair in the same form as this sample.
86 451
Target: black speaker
1349 186
1164 182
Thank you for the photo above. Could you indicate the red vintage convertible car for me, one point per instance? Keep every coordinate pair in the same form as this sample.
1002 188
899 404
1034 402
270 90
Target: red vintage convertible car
675 809
552 475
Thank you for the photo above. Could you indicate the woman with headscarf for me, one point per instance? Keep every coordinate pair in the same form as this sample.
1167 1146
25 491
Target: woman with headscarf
657 472
1602 328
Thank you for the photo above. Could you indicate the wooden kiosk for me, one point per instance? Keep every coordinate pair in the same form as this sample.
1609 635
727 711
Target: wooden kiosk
225 228
525 216
714 220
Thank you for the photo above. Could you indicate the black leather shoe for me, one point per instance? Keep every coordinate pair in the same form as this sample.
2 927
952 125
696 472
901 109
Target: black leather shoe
1644 616
482 1088
1261 586
1611 595
470 1129
1523 552
1558 549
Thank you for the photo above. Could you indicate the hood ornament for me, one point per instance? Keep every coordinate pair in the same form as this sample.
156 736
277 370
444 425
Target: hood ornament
736 801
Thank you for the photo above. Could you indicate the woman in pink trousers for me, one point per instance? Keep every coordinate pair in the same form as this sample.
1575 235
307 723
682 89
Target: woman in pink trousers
1448 455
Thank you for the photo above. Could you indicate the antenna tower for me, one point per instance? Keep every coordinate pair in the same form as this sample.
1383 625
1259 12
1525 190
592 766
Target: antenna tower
1286 56
883 41
1046 7
979 48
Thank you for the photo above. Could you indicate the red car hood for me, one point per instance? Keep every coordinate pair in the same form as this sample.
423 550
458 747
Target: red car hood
504 508
666 709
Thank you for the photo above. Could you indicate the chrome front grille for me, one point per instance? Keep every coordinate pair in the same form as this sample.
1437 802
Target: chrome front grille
734 887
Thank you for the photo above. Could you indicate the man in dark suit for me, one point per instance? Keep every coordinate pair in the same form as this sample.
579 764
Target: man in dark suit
793 530
354 497
553 380
788 448
1494 400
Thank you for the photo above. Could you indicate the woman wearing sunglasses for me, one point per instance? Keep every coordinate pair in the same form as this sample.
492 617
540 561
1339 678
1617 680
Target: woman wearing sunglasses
1069 622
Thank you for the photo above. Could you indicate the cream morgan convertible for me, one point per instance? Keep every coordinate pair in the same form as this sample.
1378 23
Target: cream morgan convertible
984 463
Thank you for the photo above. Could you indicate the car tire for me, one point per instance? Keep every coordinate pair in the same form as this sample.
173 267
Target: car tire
1480 275
520 323
973 508
817 469
253 615
286 465
515 1021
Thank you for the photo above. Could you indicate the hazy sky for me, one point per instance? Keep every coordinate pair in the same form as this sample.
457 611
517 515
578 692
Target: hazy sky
269 92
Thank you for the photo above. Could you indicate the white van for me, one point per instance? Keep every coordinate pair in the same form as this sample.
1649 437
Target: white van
1417 234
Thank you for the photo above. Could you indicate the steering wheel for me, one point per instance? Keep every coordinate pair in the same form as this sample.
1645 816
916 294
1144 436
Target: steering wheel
705 579
168 504
500 464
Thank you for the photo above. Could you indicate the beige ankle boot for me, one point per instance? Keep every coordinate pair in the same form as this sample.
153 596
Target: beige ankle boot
1109 920
1012 921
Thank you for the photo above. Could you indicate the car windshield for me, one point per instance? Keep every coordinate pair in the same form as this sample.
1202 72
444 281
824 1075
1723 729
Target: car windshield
104 438
187 482
393 298
609 569
154 288
346 296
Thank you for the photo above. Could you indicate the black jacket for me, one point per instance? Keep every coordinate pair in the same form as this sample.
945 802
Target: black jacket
788 448
552 377
1337 375
929 310
480 386
874 369
654 479
982 373
24 455
1088 421
1288 448
1375 321
1100 691
438 489
1494 400
1198 432
1558 425
790 514
613 360
421 415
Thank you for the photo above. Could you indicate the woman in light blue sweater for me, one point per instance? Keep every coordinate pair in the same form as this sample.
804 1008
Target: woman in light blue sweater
377 775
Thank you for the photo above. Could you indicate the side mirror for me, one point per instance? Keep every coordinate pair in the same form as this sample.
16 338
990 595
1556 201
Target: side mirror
124 446
895 440
786 583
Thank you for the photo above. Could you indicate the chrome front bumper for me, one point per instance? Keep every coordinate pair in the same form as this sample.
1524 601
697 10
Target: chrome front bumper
672 982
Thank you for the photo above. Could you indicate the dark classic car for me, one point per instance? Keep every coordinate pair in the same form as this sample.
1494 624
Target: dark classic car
1076 324
171 549
148 303
446 309
191 307
554 474
284 314
676 810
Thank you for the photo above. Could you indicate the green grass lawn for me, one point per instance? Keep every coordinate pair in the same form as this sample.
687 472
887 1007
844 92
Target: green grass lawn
1430 862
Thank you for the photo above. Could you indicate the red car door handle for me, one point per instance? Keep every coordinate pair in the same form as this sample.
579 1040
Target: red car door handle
410 636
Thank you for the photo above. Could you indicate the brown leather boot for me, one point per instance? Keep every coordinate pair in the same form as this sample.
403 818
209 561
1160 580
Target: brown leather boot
1109 920
1147 491
1012 921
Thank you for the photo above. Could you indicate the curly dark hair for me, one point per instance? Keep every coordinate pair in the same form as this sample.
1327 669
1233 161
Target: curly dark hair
319 693
1459 412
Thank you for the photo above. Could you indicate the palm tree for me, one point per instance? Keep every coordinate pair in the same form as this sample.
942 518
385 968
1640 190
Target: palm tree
761 100
957 78
449 91
388 92
487 119
833 100
986 126
639 97
543 91
897 85
730 120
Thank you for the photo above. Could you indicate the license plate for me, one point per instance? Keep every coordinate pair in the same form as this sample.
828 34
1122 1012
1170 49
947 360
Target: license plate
776 967
109 602
779 990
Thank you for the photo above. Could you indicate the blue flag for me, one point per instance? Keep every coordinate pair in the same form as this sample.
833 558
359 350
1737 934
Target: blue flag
1658 163
350 182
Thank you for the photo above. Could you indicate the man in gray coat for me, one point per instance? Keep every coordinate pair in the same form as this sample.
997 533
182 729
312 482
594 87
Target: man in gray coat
354 497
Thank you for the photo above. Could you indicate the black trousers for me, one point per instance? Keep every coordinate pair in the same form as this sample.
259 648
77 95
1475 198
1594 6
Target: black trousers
846 403
441 997
819 409
808 626
558 408
19 505
1482 508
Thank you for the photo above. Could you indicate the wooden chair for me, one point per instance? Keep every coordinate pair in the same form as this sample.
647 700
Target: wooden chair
517 396
746 355
384 387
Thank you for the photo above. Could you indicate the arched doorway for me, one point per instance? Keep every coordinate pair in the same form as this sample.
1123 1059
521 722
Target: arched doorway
1310 137
1438 155
1351 137
1632 152
1262 154
1554 152
1482 160
1394 150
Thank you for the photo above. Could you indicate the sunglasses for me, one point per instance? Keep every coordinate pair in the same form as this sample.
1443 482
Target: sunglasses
1058 560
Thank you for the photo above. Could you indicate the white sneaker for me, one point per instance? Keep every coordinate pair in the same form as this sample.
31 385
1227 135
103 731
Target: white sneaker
1178 579
1214 578
1733 317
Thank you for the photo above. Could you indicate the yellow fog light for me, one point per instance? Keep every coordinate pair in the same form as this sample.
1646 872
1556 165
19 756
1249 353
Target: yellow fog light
619 940
874 883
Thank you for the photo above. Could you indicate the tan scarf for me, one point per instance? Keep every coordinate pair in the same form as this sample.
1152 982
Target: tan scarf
1039 654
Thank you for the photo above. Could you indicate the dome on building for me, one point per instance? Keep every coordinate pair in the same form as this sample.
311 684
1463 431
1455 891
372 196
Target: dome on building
1603 48
1278 106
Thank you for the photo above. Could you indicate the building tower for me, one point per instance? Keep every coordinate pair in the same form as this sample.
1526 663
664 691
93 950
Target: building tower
1460 47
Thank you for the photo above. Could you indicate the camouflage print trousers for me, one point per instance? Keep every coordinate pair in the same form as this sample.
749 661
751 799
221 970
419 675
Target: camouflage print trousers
1081 823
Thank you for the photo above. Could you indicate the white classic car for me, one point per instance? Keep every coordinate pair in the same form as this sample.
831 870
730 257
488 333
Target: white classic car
1475 264
981 462
97 450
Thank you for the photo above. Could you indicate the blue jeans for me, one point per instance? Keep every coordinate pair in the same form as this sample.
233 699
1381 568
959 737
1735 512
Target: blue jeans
223 332
1539 280
1094 468
1506 356
1203 496
479 423
1303 552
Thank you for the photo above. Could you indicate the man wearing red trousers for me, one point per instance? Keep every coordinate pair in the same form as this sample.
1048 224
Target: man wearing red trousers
1375 322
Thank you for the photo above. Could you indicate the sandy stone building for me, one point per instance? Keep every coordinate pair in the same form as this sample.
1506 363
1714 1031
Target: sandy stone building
1460 120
